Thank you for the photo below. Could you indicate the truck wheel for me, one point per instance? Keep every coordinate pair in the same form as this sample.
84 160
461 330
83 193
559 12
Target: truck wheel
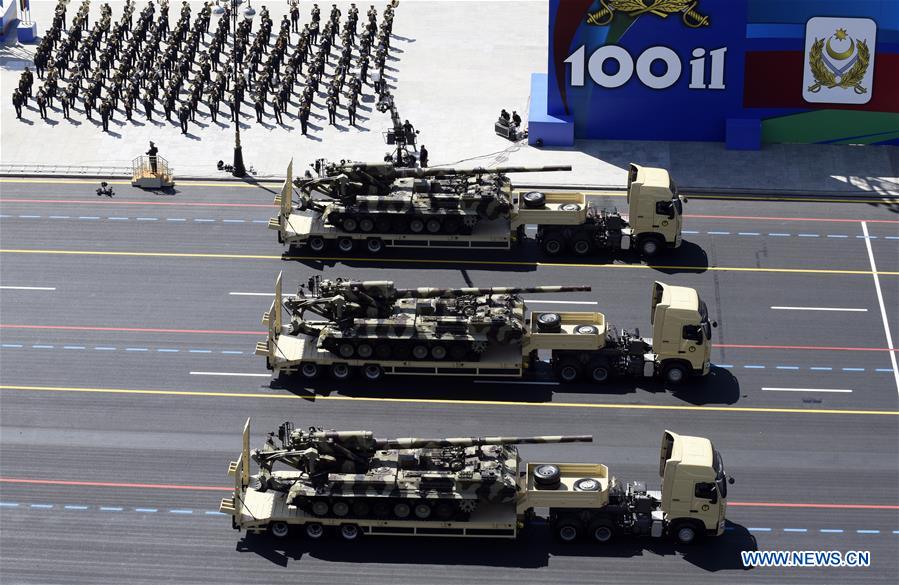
600 372
568 531
309 370
314 530
372 372
581 245
279 529
650 246
568 371
374 245
675 374
316 244
547 475
553 243
345 245
350 532
685 533
549 322
349 224
534 199
602 532
341 371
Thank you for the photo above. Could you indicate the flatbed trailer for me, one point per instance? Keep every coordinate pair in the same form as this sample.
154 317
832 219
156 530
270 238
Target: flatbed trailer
564 221
580 343
583 502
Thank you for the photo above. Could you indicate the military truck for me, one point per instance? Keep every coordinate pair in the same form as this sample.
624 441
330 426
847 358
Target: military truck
580 345
370 207
353 484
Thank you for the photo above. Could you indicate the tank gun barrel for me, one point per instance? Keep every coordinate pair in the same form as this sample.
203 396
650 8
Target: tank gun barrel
495 290
445 171
415 443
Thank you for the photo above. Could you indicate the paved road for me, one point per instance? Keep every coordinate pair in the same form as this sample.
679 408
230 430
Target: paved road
126 300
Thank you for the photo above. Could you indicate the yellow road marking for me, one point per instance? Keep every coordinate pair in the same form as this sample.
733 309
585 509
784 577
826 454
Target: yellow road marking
212 394
712 196
185 183
444 261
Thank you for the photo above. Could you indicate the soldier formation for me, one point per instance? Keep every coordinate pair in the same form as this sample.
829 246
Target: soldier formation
148 65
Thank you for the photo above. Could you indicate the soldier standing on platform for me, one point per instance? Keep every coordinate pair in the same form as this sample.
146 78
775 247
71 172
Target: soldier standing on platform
17 101
152 154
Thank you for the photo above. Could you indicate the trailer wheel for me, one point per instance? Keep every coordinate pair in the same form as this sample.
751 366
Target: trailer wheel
568 371
568 531
349 224
602 532
367 224
374 245
549 322
350 532
534 199
581 245
316 244
650 246
416 225
345 245
341 371
279 529
553 243
571 207
586 330
547 475
314 530
372 372
675 374
685 533
309 370
587 484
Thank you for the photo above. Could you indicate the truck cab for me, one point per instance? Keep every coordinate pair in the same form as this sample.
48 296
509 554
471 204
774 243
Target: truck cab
656 209
681 332
694 487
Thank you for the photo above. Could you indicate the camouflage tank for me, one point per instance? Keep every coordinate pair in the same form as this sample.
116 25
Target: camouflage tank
354 475
382 198
374 319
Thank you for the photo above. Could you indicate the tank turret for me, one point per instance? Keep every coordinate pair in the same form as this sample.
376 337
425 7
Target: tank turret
352 474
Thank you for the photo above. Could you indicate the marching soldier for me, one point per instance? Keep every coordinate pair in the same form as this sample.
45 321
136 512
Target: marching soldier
259 104
105 108
351 112
184 117
42 103
17 101
332 110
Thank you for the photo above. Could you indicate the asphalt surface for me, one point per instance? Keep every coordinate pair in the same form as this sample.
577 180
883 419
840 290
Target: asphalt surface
118 413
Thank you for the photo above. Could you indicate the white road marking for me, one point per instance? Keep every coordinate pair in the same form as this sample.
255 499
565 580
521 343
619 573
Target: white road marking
251 294
562 302
28 287
237 374
819 309
883 311
843 390
519 382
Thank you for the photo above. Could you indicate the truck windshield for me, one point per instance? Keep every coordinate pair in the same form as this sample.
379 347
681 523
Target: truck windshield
720 476
704 320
